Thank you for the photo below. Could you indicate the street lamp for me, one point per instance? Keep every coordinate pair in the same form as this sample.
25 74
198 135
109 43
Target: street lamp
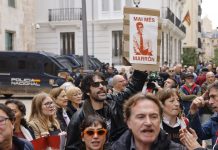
136 2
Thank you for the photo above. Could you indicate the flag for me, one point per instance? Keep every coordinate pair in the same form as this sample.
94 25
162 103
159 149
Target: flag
187 18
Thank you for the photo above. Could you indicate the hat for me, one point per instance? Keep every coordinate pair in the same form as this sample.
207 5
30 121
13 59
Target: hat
188 75
204 69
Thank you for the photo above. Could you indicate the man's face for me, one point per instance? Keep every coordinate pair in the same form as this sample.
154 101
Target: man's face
210 78
189 81
98 93
144 121
213 101
121 84
6 129
168 83
140 28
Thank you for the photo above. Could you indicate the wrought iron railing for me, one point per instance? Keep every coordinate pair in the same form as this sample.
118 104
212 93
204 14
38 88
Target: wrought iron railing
64 14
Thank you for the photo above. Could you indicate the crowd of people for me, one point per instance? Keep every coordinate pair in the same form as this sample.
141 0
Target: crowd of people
114 110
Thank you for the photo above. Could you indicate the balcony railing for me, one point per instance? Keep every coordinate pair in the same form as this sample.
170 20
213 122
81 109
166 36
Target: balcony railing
65 14
168 14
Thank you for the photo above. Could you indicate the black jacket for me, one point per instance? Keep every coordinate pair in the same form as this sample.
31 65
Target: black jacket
112 112
60 118
161 143
22 144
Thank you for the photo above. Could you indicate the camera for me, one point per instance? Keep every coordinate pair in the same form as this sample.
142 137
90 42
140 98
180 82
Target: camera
154 77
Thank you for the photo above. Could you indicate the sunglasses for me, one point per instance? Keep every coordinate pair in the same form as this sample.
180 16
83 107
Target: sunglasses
97 84
99 132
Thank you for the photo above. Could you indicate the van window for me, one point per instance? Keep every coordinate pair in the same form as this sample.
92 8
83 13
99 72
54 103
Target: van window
21 64
5 66
50 68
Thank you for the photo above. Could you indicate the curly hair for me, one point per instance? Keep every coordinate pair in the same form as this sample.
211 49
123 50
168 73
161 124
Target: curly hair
20 105
88 80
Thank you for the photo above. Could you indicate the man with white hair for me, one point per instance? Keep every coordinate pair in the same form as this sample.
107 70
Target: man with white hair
119 83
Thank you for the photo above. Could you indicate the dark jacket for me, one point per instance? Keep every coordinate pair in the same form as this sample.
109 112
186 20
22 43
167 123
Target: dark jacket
209 129
161 143
22 144
112 113
60 118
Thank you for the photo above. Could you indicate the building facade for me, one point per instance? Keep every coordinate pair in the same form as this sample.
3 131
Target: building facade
209 39
193 11
17 25
61 27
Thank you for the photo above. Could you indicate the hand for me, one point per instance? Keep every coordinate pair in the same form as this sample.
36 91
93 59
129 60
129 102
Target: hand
189 139
62 133
156 84
197 103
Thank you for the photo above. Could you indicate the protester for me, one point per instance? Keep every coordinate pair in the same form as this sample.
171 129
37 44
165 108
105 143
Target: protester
189 91
42 116
60 98
209 129
7 140
142 114
94 133
119 84
74 95
169 83
21 128
171 122
109 107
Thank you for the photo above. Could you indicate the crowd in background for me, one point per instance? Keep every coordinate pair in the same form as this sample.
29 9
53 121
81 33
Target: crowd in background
98 110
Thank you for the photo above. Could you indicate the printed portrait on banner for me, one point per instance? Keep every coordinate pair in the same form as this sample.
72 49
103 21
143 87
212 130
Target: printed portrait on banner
143 39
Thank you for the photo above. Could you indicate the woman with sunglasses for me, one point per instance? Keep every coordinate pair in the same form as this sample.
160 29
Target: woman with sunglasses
21 128
94 133
42 116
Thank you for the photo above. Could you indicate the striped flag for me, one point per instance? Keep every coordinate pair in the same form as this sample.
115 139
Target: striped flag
187 18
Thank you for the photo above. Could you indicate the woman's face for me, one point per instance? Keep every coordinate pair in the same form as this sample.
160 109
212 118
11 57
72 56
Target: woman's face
94 137
76 97
17 112
62 100
48 107
171 107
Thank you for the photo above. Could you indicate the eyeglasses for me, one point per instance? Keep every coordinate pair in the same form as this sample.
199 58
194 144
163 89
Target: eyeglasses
49 104
171 70
97 84
3 120
99 132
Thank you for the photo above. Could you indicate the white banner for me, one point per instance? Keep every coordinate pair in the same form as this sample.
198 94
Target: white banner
143 39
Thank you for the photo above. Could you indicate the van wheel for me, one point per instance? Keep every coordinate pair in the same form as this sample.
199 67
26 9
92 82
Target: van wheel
8 95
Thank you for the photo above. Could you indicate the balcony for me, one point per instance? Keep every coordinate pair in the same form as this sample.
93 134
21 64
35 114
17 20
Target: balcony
65 14
168 14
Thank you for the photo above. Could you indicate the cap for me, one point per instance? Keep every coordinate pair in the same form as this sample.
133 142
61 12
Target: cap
188 75
204 69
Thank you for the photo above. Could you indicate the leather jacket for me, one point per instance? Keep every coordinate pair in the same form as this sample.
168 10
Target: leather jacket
112 113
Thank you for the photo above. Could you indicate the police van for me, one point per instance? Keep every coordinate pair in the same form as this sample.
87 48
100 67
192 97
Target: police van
24 73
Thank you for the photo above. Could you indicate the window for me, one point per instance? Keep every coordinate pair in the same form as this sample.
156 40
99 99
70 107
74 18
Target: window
21 64
50 68
9 38
117 5
105 5
5 65
11 3
67 43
